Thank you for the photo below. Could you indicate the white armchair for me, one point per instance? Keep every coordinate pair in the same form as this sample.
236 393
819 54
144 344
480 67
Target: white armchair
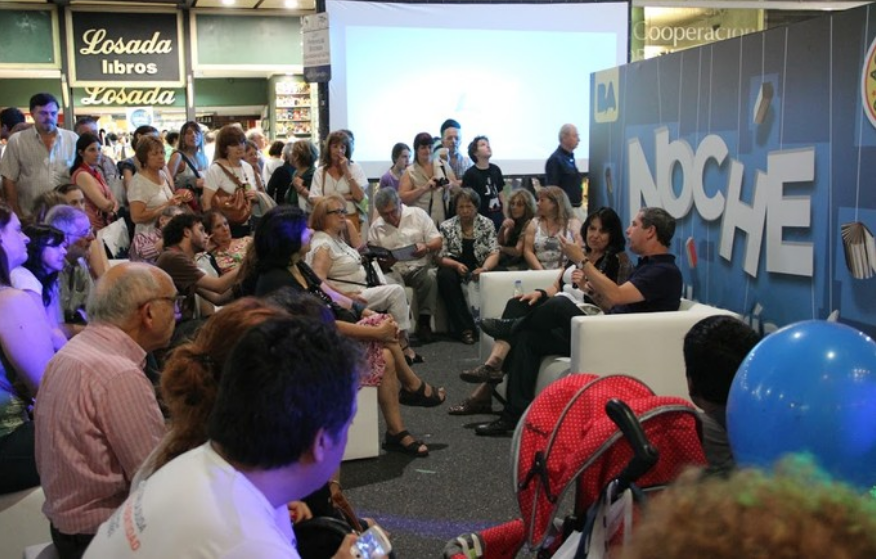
647 346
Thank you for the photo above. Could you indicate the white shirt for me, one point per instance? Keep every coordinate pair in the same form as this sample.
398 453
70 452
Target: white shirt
152 194
415 226
325 184
215 178
196 506
346 262
35 169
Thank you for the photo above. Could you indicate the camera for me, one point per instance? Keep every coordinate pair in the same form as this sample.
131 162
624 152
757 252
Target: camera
373 544
441 182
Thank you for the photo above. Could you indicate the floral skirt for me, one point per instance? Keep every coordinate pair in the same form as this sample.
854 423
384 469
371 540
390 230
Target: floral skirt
374 360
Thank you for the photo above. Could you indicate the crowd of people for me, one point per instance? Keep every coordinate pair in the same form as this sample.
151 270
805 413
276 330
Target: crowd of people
235 258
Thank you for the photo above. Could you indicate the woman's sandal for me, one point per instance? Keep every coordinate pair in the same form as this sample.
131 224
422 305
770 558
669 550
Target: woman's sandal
393 443
411 361
419 398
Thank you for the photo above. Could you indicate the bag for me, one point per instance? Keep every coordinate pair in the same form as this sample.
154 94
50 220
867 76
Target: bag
236 207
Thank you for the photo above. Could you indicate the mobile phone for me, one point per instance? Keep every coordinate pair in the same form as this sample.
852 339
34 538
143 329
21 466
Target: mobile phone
373 544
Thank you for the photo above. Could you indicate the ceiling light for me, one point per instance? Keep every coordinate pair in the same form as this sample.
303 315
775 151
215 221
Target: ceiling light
291 4
228 2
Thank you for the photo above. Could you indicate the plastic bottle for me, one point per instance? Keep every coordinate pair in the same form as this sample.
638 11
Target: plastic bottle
518 288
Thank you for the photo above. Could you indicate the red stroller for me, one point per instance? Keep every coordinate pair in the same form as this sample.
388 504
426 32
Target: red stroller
566 440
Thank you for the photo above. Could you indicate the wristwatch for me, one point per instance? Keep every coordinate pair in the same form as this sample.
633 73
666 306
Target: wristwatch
583 263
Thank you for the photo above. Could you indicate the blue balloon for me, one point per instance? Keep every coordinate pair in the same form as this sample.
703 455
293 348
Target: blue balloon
809 387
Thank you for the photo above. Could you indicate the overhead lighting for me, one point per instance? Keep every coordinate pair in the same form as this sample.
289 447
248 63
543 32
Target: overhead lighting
291 4
228 2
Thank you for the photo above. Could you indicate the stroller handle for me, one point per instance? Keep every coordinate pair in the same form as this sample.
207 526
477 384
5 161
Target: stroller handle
644 453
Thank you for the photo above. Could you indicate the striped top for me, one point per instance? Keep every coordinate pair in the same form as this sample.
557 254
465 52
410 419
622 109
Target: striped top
96 420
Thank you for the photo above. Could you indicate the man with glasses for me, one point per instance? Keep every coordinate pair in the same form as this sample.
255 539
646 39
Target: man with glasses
97 418
401 226
86 261
37 160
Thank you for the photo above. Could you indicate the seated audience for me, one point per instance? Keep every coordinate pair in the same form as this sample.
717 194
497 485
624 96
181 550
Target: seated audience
401 158
654 286
38 276
426 184
146 246
86 261
45 202
100 203
550 311
337 174
184 238
795 512
72 196
486 179
96 417
342 267
25 349
277 432
554 219
224 253
282 239
714 348
512 233
402 226
469 248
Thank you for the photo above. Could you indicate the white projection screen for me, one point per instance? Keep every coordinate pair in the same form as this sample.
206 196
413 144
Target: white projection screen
512 72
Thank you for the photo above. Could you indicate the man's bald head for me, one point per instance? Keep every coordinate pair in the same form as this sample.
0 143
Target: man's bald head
124 288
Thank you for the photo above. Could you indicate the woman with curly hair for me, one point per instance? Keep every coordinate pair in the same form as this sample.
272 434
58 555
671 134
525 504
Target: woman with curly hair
554 218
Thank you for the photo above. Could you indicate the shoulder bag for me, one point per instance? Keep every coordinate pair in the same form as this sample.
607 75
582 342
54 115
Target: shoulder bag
236 207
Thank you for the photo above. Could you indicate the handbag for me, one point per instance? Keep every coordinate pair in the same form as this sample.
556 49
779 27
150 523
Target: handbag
236 207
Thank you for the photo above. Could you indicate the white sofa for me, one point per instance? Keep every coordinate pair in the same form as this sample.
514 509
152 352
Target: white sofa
22 522
647 346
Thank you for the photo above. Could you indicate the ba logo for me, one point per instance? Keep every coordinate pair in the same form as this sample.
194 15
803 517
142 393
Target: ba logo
868 84
605 102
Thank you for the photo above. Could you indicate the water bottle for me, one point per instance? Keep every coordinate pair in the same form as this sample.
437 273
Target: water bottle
518 288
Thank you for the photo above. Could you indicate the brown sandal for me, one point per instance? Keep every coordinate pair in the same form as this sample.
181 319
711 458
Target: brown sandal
471 406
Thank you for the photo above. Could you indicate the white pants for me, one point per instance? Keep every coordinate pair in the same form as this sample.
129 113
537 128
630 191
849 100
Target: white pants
391 300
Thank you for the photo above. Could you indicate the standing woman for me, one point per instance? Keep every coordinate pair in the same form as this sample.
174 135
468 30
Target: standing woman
25 349
426 183
338 175
469 249
188 163
401 158
150 191
541 248
512 233
100 204
228 172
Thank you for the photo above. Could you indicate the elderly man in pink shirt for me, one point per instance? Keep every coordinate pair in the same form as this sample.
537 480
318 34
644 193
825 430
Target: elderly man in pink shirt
96 416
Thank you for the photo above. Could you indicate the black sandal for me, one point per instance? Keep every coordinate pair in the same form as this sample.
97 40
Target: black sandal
393 443
411 361
419 398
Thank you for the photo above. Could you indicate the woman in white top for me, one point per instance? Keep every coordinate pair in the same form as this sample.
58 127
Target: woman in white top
426 184
150 191
341 266
338 175
228 171
188 163
541 247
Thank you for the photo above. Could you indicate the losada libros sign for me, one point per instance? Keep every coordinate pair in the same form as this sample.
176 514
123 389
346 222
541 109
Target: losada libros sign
131 49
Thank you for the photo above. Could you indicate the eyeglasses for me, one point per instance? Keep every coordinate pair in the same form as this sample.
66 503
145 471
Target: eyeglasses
176 300
73 237
339 211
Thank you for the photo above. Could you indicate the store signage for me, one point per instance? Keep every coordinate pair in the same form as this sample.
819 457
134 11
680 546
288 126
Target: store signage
675 36
127 48
98 96
316 50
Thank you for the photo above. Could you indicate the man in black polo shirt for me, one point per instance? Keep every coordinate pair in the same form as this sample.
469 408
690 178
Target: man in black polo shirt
654 286
561 170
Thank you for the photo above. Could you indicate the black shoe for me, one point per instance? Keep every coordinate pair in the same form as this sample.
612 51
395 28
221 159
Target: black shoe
500 328
497 428
483 373
424 330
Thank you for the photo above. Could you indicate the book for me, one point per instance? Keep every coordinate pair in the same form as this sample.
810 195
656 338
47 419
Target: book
401 254
860 250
